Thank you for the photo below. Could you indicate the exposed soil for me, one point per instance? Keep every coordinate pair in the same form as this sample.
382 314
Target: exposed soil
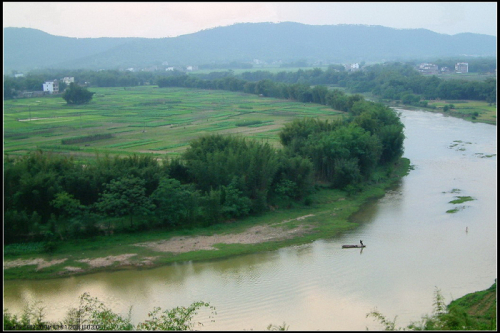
253 235
109 260
257 234
41 263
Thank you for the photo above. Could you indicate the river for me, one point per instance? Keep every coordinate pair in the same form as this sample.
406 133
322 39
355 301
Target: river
413 247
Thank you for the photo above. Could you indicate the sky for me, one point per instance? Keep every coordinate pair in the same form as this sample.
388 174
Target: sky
171 19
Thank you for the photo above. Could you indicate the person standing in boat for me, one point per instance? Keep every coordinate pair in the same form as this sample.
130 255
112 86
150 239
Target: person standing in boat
361 242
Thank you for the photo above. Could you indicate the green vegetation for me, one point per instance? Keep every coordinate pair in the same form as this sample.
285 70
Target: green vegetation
479 111
87 138
115 117
475 311
76 95
58 200
53 197
459 200
480 306
462 199
331 209
92 314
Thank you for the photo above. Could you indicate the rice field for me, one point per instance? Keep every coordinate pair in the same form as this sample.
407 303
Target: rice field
146 119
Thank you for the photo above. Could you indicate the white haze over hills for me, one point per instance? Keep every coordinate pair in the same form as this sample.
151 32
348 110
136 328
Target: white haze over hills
170 19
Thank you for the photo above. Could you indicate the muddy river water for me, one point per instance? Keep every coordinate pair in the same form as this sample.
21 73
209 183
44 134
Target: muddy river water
413 247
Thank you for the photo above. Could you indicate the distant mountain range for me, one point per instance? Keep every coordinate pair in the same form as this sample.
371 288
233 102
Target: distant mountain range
27 49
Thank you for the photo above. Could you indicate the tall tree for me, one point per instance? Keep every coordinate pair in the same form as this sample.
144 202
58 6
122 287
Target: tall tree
77 95
125 196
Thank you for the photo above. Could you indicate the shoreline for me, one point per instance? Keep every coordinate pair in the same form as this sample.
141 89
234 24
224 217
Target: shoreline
446 114
327 217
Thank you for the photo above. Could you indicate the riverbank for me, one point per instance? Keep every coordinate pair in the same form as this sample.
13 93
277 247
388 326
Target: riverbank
327 216
473 111
480 306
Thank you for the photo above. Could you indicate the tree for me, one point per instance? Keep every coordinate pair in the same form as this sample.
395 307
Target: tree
77 95
125 196
175 203
93 314
176 319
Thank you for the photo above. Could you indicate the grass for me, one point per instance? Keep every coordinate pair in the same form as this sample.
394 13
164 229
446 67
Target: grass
476 111
466 76
23 248
480 305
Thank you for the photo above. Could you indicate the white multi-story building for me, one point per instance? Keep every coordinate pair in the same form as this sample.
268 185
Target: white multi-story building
462 67
52 87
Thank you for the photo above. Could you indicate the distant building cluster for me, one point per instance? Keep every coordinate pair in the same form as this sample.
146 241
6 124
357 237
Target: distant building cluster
52 87
428 68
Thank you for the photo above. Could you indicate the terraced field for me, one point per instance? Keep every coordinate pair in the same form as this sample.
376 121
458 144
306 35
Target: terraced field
145 119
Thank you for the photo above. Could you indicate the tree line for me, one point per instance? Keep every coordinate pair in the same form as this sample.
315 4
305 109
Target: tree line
49 197
388 81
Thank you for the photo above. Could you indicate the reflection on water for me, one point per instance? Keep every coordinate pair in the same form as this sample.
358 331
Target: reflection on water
413 246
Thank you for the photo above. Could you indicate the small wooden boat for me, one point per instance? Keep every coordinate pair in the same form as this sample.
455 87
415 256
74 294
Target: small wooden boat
352 246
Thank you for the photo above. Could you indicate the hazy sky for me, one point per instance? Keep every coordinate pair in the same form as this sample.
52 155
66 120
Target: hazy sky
170 19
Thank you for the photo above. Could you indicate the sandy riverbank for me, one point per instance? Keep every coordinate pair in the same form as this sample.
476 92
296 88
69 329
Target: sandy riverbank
176 245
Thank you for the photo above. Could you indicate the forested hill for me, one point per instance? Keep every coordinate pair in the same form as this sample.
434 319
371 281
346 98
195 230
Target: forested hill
26 49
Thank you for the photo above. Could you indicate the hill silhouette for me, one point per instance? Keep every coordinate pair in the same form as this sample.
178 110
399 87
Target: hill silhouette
26 49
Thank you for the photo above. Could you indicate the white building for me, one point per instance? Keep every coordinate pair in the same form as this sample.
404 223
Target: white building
68 80
352 67
427 68
462 67
52 87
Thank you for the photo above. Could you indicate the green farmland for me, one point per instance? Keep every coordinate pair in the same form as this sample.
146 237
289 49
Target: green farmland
477 111
145 119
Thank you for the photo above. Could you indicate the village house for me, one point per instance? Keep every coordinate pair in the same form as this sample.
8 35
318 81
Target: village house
68 80
462 67
52 87
352 67
426 68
